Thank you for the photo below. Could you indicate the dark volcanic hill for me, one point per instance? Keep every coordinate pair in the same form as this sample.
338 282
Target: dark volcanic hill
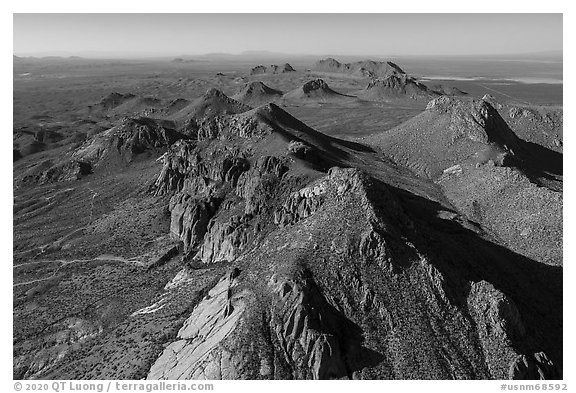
315 90
396 86
303 256
256 93
272 69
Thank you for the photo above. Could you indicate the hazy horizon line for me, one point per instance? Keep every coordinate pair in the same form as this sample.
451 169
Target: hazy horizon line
119 55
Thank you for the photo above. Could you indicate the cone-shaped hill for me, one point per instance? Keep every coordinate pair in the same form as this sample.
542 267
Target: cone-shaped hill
211 104
450 131
315 90
256 93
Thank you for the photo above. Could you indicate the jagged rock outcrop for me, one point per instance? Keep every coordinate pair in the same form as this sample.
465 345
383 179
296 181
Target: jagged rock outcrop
287 68
257 185
190 217
300 205
224 240
306 330
185 169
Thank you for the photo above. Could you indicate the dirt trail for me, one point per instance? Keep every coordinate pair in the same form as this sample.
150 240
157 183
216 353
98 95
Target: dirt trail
64 263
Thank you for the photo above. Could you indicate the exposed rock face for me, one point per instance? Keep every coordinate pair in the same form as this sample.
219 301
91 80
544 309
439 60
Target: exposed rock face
300 205
387 80
452 131
317 84
185 169
306 330
224 240
341 262
66 171
200 351
257 185
447 90
190 217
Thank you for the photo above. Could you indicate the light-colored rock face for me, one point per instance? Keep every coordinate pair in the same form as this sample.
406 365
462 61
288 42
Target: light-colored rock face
200 341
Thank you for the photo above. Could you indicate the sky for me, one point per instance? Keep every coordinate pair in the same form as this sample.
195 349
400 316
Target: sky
126 35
